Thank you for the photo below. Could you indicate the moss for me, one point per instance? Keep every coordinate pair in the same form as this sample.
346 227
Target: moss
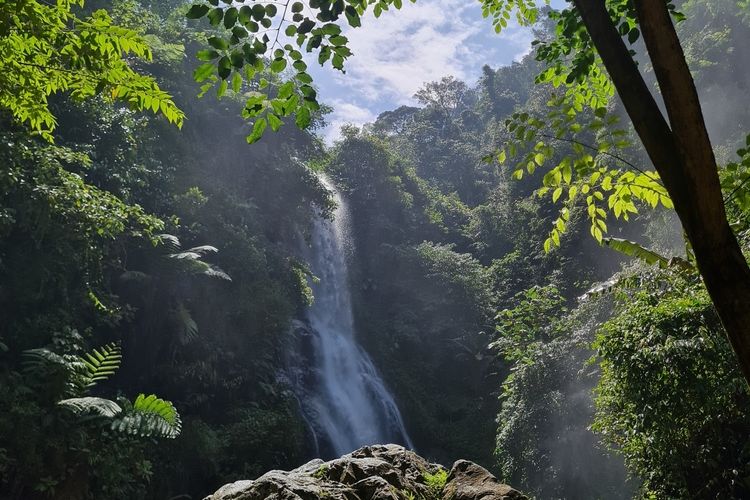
321 473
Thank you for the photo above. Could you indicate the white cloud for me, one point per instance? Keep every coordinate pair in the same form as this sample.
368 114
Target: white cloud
345 113
395 54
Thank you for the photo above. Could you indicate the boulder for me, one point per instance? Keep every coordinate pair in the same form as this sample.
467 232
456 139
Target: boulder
379 472
469 481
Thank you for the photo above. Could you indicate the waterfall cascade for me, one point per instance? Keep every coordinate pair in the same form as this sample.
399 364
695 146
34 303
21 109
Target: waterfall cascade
342 396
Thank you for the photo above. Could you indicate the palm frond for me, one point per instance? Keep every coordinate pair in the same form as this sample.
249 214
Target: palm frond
92 405
633 249
600 289
150 417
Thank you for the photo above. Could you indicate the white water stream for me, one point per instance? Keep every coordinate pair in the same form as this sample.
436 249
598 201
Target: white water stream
342 395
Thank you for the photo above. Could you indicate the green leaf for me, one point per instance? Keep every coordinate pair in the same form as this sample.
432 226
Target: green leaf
286 90
338 40
197 11
230 17
258 128
203 71
352 16
306 26
303 117
222 89
237 58
633 249
236 82
278 65
218 43
245 14
207 55
224 67
258 11
215 16
633 35
274 122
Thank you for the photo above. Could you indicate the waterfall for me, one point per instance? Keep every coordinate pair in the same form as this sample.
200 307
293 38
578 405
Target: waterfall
343 397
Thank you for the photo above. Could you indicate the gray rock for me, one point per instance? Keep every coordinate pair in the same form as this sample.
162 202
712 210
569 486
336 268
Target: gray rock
469 481
380 472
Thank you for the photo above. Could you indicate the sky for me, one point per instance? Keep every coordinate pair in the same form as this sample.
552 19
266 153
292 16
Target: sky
397 53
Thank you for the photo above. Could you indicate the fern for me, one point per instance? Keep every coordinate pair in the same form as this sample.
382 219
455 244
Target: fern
147 416
100 364
150 417
170 241
203 249
190 260
215 272
186 325
92 405
40 360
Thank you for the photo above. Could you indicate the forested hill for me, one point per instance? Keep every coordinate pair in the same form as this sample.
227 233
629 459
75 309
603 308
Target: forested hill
139 258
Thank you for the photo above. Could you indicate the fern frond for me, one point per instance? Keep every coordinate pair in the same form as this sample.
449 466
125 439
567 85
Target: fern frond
187 255
100 364
190 262
38 360
186 325
203 249
150 417
216 272
157 406
170 241
92 405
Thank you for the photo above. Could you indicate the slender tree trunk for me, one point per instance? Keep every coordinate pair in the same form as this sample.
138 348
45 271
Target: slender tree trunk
681 153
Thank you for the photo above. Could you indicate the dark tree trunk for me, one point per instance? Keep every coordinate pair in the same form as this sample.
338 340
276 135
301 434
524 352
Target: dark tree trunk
681 153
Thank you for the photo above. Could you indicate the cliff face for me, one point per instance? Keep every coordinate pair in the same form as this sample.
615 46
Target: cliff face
380 472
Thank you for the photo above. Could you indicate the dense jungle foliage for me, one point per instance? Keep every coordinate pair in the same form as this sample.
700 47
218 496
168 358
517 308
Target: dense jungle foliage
142 260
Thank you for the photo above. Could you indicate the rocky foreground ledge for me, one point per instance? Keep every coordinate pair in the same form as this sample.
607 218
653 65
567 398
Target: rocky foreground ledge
380 472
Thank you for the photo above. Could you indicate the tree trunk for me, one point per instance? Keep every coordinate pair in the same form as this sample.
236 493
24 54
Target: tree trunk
682 155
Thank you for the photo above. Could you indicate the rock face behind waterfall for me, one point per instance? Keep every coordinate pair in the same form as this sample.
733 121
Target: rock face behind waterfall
380 472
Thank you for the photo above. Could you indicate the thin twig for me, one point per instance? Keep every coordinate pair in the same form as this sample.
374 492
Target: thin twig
592 148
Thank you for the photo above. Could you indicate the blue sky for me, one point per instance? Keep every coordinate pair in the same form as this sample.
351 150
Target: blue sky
397 53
